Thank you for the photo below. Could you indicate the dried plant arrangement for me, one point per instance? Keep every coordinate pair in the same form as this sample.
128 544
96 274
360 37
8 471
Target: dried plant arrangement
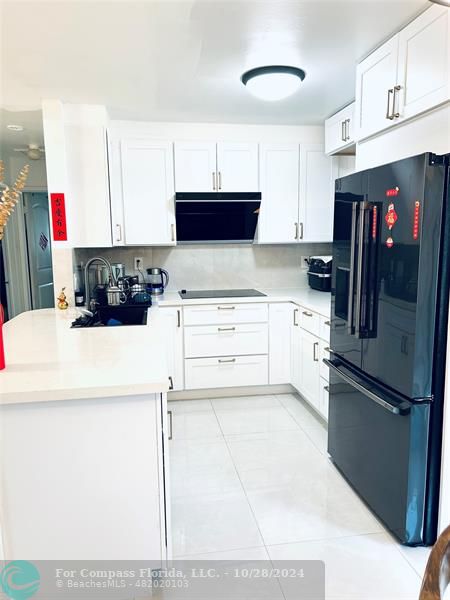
10 195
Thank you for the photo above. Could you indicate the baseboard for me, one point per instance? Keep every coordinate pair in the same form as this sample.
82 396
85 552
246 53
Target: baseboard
231 392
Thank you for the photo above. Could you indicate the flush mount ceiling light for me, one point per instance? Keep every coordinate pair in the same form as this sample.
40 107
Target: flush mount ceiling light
442 2
273 82
14 127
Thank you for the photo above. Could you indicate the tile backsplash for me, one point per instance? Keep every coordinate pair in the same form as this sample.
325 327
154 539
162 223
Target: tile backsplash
217 266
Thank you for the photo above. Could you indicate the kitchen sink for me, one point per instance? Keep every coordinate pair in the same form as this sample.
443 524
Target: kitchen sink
114 316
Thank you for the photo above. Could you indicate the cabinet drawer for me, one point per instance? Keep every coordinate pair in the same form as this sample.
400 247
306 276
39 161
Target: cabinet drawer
212 314
226 340
310 321
325 328
226 372
324 398
324 352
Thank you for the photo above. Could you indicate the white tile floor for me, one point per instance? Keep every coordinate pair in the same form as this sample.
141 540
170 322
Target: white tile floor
250 479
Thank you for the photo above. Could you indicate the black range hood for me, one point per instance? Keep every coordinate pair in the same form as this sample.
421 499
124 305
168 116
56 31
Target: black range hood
217 217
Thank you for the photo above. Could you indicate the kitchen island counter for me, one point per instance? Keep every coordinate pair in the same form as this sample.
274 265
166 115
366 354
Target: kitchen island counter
47 360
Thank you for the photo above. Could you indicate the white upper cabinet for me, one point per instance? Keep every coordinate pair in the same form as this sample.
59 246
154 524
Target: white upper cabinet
316 194
237 167
424 62
406 76
147 192
376 78
195 167
87 171
221 167
339 130
278 219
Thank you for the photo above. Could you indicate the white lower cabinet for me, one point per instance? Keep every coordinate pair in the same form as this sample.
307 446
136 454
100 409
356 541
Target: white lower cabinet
173 335
226 340
309 374
226 371
280 331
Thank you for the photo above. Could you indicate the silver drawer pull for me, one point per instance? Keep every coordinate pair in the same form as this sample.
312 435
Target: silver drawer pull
295 317
227 360
226 329
316 352
307 314
226 308
170 436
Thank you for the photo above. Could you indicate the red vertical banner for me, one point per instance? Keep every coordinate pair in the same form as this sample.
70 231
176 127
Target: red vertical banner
416 220
59 221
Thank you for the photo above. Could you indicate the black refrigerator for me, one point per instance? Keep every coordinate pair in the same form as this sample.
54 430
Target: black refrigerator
390 293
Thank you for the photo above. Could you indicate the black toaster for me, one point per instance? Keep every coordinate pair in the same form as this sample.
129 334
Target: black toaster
319 273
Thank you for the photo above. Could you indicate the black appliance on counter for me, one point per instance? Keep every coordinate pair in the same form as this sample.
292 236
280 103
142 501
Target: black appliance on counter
216 217
390 289
194 294
319 273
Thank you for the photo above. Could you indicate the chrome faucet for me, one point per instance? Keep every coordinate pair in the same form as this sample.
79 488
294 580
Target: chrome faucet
87 290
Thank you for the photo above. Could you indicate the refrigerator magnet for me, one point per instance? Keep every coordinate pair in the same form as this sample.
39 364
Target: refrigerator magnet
391 216
389 242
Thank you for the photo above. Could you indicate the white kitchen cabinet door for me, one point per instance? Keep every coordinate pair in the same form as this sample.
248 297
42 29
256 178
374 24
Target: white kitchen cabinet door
346 165
339 130
195 166
173 336
309 356
281 321
296 359
87 172
424 62
316 194
278 218
237 167
376 78
148 194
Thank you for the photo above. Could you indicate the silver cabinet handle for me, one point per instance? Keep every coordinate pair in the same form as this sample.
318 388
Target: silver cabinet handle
226 329
388 109
226 360
315 347
295 317
307 314
395 112
351 285
296 231
220 180
118 232
214 181
178 318
343 136
172 230
170 383
226 308
300 237
169 412
347 130
328 323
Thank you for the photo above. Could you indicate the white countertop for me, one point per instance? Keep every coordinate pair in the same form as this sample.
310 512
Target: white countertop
47 360
319 302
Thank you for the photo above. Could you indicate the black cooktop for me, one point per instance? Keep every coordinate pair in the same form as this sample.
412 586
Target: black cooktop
193 294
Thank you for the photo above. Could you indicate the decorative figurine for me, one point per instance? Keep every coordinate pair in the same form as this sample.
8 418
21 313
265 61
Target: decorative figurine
62 300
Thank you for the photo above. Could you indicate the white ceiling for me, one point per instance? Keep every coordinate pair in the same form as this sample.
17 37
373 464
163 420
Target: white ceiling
182 61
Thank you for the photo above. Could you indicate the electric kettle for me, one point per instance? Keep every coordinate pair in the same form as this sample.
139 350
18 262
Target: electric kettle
158 280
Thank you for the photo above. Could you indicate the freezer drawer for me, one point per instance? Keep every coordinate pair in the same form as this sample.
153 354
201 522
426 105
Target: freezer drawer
380 446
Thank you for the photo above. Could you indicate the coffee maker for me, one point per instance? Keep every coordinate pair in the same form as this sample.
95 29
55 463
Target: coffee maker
157 280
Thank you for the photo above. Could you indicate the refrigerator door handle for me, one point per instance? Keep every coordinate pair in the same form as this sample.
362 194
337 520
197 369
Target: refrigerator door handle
359 272
403 409
352 272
